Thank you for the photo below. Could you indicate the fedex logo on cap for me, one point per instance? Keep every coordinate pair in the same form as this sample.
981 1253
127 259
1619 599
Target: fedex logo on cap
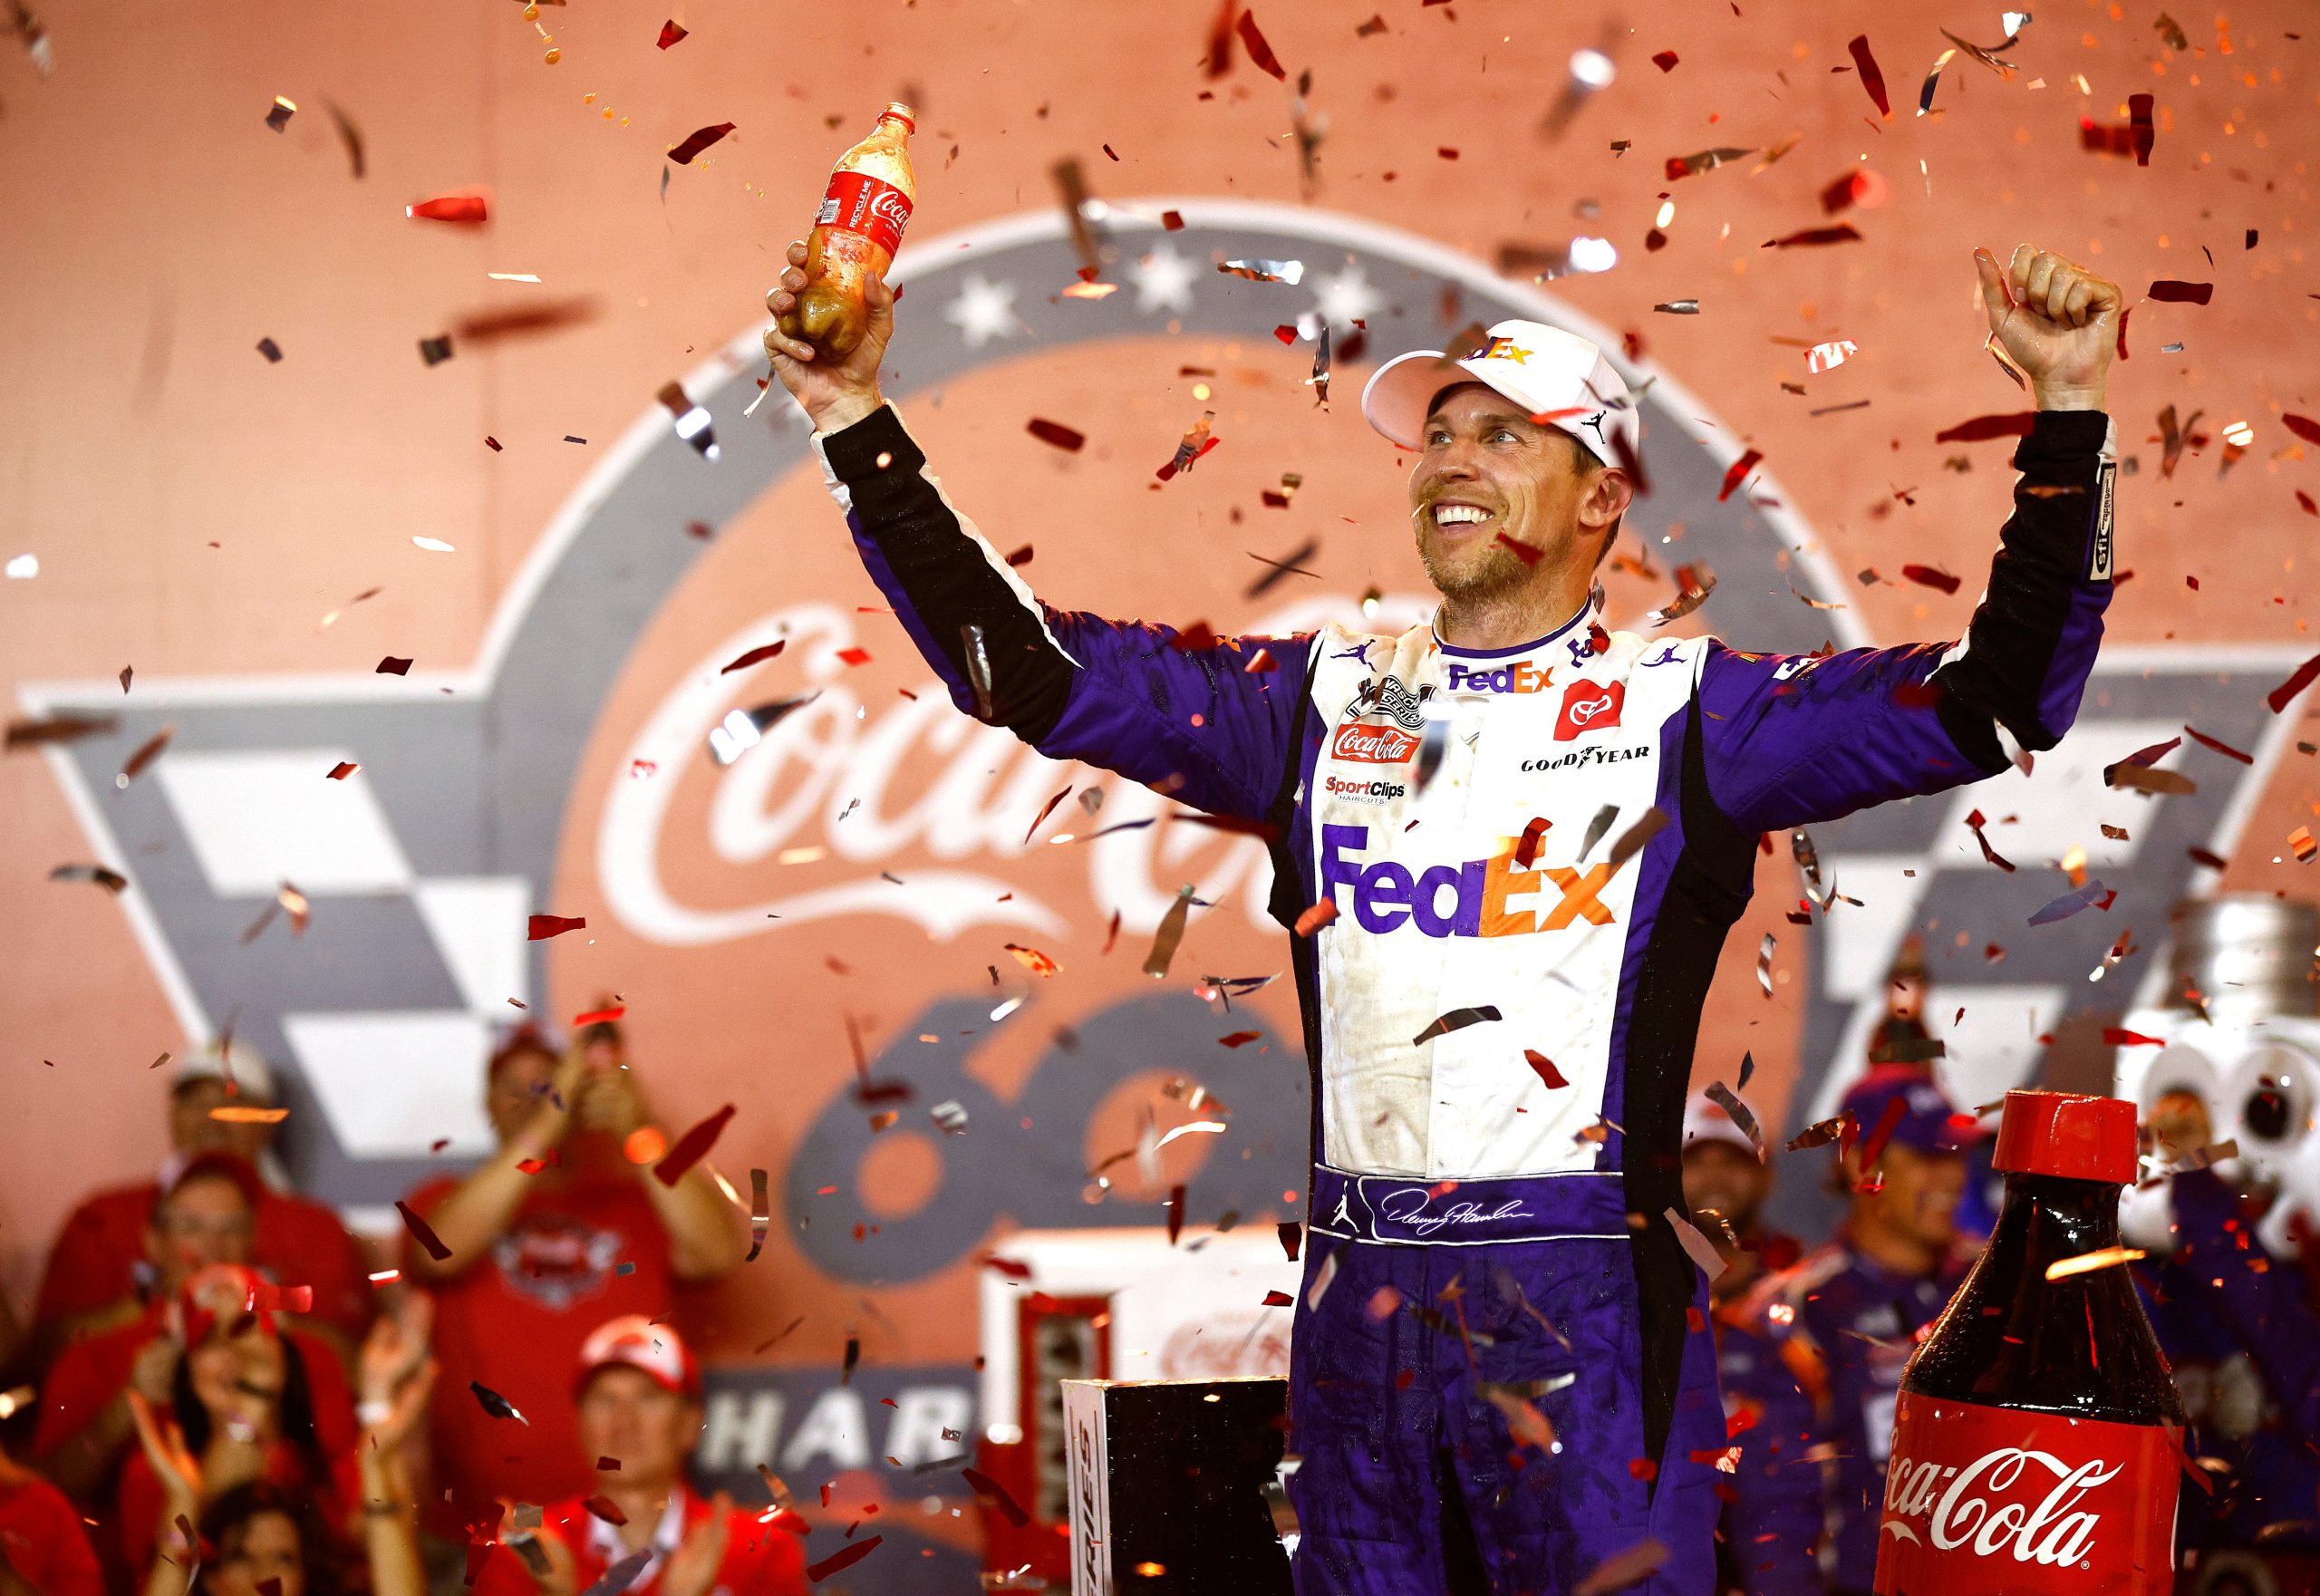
1473 898
1589 706
1505 349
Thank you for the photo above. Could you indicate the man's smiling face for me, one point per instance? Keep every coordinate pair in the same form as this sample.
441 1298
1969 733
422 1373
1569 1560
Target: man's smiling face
1487 470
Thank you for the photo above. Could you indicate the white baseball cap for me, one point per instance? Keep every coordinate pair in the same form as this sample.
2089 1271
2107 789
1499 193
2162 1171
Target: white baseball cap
237 1062
635 1341
1544 369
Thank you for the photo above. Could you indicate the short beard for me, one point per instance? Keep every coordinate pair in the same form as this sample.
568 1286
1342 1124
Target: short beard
1496 575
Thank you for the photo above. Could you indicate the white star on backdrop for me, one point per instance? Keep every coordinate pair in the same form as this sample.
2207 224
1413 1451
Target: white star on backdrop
983 310
1346 298
1164 279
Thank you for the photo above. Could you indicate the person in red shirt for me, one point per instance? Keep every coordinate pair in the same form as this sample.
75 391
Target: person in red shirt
97 1265
43 1550
554 1233
637 1411
221 1528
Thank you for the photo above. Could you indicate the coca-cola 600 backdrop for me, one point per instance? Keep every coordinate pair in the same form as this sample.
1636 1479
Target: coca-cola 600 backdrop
570 578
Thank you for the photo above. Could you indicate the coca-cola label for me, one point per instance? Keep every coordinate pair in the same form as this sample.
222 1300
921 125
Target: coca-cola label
2004 1503
857 202
1373 745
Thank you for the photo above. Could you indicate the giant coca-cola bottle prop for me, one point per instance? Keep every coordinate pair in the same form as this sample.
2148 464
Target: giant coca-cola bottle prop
2030 1449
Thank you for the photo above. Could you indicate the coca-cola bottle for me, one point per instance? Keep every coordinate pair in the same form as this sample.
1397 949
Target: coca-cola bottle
855 234
2031 1449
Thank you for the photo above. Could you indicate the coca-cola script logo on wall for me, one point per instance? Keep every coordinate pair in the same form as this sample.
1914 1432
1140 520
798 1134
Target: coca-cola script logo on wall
861 865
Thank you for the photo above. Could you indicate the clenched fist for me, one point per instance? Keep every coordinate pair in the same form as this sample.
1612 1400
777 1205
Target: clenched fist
2057 321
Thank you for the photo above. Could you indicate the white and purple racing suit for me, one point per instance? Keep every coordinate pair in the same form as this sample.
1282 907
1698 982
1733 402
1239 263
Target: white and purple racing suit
1533 854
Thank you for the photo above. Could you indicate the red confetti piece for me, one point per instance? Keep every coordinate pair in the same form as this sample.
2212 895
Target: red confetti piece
1172 221
692 1147
2304 499
763 652
1021 556
2175 289
392 666
543 926
2225 749
670 33
2211 860
604 1507
699 140
1973 823
1279 1300
342 770
1292 1238
1928 577
1196 635
854 656
1239 1039
2139 109
2279 697
1872 1145
2116 1037
1032 960
1545 1068
2299 841
1045 809
1315 917
1983 428
1259 53
265 1297
1665 59
599 1016
1872 79
1065 438
451 207
1527 850
1259 663
2303 427
1445 152
423 1234
984 1485
845 1557
1524 551
493 443
1842 233
1738 473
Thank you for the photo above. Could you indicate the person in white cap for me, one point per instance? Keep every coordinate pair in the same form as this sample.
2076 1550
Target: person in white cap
644 1531
97 1277
1513 841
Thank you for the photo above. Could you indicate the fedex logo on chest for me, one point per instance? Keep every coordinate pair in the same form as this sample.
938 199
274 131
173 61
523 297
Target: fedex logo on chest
1496 896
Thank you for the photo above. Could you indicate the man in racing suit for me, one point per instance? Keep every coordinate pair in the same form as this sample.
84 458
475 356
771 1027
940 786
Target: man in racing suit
1515 841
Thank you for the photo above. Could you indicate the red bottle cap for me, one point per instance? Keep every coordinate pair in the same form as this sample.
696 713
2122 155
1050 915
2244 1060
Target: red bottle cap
2065 1134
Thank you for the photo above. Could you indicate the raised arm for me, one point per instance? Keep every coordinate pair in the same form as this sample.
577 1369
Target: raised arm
1793 739
1209 724
476 1213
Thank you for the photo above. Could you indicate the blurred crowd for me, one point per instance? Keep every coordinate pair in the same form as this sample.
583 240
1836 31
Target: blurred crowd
232 1399
231 1396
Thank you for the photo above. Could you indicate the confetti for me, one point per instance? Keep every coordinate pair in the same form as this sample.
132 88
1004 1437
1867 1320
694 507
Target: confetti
113 881
1742 1115
1526 850
1056 433
342 770
349 135
229 1113
271 350
1693 586
2174 290
2299 841
466 208
1736 472
1932 81
1842 233
1828 357
1821 1133
1195 442
1973 823
2118 1037
1678 307
671 33
392 665
1631 841
279 114
991 1490
1261 54
1456 1020
1932 576
1529 555
147 752
2092 895
2225 749
845 1557
694 142
1631 1567
1322 1277
1170 932
52 729
1685 166
1524 1422
1765 963
692 1147
1034 961
758 655
543 926
434 352
1544 1068
2087 1262
1872 79
1045 809
1315 917
24 567
1701 1250
1292 272
423 1234
692 420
